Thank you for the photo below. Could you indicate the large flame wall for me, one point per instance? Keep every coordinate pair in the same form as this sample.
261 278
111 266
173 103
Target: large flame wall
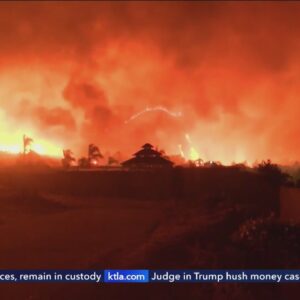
75 73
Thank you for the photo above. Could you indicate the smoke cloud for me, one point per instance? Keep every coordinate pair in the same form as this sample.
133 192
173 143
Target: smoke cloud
75 72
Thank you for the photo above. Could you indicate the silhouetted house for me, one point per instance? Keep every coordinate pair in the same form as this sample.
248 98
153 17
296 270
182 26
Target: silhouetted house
147 157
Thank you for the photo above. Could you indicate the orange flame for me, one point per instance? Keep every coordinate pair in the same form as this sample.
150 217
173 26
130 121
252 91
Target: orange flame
193 153
12 143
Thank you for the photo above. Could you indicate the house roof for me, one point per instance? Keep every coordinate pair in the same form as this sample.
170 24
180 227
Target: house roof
147 152
148 161
147 145
147 157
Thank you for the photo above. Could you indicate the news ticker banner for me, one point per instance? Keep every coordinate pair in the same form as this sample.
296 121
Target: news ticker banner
150 276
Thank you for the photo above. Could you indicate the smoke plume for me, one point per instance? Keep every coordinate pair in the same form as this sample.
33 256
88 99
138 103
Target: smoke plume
74 72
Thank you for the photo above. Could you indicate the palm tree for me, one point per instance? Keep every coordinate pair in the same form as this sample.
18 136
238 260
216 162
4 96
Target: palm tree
26 143
83 162
94 155
68 159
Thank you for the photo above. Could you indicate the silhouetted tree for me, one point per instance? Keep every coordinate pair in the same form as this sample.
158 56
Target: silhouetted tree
26 144
68 159
112 161
241 166
83 162
196 163
272 172
94 155
212 164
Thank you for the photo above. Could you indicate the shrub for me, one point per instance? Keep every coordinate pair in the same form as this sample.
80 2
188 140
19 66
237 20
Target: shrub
272 172
268 242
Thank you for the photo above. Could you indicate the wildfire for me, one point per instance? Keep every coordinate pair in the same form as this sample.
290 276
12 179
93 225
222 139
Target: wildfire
193 153
12 143
181 151
44 147
94 162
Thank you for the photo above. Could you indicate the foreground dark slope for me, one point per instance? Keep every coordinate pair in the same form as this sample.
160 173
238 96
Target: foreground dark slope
181 218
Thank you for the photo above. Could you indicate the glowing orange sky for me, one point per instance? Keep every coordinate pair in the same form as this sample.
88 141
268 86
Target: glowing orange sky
73 73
